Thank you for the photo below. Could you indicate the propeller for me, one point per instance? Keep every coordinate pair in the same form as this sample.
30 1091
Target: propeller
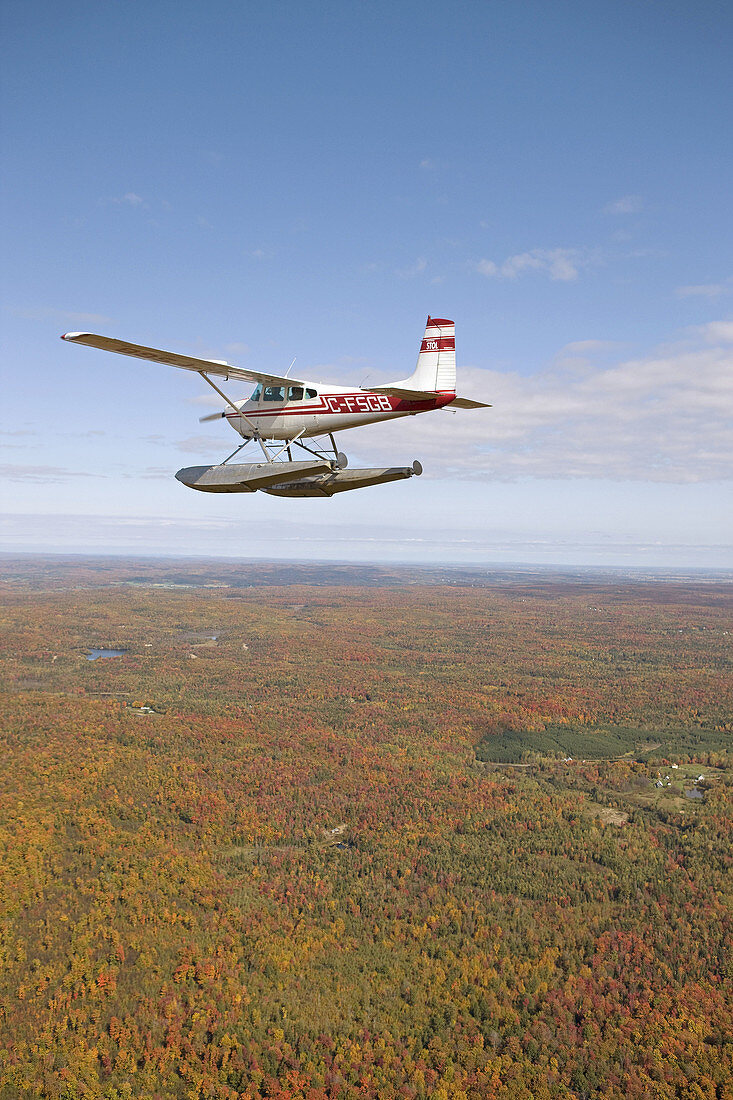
211 416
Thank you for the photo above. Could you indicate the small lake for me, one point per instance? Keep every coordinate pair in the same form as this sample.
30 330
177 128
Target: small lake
95 654
694 793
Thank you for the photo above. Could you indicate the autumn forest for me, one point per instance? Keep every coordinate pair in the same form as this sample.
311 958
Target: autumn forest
330 832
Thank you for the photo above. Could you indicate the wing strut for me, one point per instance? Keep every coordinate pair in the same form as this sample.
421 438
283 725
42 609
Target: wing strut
238 411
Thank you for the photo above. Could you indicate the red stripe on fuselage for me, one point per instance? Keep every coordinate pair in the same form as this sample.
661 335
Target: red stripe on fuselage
340 404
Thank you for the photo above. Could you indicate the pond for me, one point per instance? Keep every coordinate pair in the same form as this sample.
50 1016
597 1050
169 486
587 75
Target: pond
95 654
694 793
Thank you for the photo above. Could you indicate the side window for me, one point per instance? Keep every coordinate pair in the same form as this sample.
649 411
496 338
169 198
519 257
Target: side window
257 393
311 393
295 393
274 393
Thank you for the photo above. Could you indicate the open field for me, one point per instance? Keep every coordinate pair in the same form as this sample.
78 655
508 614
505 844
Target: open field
598 741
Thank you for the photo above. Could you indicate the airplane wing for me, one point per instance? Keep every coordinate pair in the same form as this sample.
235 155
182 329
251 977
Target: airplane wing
173 359
467 403
422 395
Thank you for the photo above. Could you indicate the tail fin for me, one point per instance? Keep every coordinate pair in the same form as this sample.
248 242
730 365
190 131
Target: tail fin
436 363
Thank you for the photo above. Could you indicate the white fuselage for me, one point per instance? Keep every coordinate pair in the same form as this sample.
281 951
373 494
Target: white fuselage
284 412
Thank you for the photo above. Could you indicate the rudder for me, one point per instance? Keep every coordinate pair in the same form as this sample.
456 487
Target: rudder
436 361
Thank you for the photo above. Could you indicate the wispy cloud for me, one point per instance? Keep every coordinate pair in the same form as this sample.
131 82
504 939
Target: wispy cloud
705 290
150 473
560 264
41 474
666 416
200 445
59 316
207 400
716 332
335 539
586 347
409 272
627 204
130 198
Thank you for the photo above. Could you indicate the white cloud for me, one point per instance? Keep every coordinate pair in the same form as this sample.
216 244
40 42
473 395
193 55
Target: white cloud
717 332
128 199
586 347
208 400
201 445
627 204
705 290
41 474
59 316
412 270
561 264
365 526
150 473
662 417
487 267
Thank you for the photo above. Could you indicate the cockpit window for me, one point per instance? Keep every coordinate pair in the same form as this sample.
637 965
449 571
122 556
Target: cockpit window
257 393
295 393
311 393
274 393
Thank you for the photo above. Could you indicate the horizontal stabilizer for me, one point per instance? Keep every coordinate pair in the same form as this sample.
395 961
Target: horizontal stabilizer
173 359
426 395
467 403
405 394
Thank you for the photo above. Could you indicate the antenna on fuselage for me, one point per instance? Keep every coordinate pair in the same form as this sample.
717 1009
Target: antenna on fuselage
287 372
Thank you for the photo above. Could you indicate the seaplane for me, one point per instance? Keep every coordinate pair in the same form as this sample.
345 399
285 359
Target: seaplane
285 413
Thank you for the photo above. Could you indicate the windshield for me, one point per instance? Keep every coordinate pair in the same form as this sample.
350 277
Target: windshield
257 393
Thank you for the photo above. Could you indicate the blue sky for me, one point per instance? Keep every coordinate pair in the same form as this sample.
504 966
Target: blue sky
262 181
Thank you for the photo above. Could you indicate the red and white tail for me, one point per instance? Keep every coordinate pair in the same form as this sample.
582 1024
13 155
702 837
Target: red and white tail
436 363
436 369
